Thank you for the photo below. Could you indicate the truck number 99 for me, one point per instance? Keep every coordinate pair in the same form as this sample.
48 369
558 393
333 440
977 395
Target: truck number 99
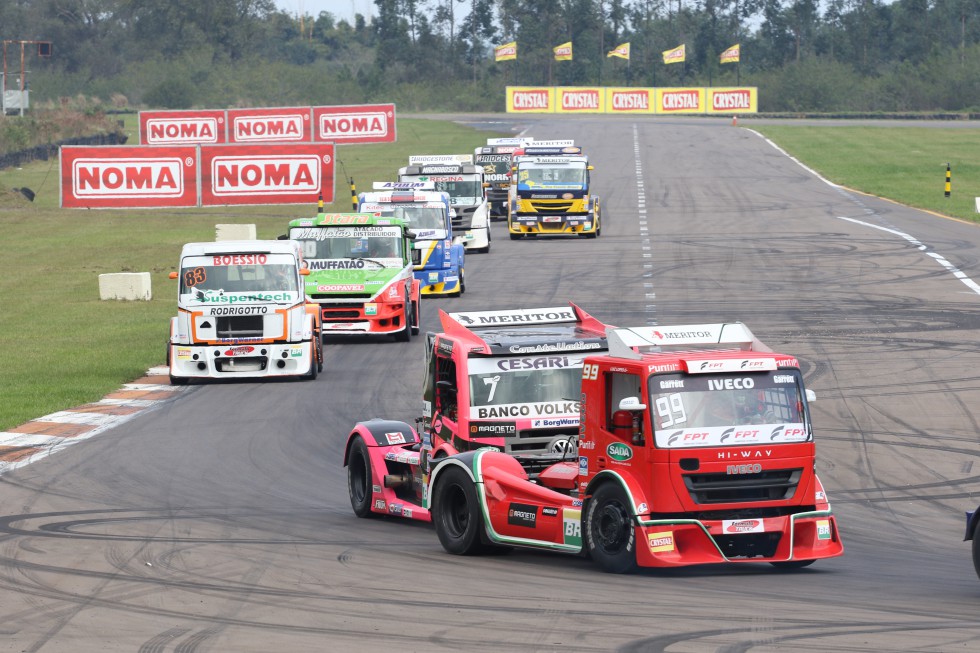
590 372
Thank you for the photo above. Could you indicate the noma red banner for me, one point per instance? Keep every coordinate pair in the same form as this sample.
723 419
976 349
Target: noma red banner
267 174
182 127
362 123
128 177
270 125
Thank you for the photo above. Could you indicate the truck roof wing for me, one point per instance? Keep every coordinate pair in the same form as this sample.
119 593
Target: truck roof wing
634 341
465 325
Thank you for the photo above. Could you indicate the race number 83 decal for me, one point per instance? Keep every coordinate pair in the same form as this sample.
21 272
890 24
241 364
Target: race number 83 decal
195 276
590 372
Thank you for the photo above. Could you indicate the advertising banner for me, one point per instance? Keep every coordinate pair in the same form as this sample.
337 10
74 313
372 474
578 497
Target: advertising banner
733 100
530 99
365 123
630 100
270 125
680 100
128 177
267 174
575 99
205 127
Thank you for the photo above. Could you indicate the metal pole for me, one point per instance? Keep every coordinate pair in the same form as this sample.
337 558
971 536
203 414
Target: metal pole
22 78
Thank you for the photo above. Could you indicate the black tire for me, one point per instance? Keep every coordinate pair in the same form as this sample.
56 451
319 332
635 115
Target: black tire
178 380
318 341
609 531
359 478
456 513
405 334
462 281
976 548
416 321
514 236
789 565
311 375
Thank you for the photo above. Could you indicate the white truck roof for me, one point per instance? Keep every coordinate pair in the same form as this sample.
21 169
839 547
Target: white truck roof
240 246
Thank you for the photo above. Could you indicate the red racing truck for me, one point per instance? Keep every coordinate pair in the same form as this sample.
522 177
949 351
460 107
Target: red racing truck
694 446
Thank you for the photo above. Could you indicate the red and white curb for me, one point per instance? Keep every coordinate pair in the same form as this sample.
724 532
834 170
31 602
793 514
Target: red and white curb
41 437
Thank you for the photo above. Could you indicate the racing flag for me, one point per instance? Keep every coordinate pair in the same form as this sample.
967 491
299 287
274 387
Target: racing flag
621 51
674 56
505 52
563 52
731 55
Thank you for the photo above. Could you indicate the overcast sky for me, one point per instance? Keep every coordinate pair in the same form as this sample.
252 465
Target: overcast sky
341 9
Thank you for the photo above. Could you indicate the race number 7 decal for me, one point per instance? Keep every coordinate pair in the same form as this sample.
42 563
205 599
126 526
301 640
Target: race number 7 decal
590 372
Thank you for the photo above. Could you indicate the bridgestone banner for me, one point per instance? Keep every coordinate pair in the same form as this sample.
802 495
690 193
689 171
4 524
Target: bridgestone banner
128 177
216 175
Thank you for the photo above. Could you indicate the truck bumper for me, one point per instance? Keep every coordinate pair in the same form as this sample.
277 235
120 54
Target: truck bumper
239 361
557 225
476 238
363 318
791 538
438 282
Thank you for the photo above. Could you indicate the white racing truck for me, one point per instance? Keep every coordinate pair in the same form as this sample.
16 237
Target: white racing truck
456 175
242 313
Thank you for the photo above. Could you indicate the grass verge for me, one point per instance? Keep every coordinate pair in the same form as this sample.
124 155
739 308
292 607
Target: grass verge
61 345
906 164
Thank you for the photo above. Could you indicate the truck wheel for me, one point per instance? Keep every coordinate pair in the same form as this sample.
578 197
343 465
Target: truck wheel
610 535
311 375
515 236
318 340
178 380
359 478
405 334
456 513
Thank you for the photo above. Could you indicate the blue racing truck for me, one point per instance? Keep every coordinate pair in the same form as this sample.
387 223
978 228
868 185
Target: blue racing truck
438 254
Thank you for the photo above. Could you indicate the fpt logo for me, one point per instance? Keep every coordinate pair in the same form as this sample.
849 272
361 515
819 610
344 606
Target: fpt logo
268 129
260 175
181 131
619 452
128 178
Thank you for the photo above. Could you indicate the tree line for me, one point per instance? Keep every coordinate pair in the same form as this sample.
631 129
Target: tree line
424 55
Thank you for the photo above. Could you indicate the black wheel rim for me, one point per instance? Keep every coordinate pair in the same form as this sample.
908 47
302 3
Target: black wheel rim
611 527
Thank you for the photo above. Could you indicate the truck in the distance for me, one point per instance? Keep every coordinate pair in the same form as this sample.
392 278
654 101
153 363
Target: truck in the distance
242 313
694 446
456 175
438 254
361 273
495 159
551 193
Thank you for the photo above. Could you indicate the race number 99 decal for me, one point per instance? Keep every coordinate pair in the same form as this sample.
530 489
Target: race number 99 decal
590 372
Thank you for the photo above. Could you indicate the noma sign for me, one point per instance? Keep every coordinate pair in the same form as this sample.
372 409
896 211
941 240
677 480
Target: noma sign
374 123
267 174
279 125
182 127
128 177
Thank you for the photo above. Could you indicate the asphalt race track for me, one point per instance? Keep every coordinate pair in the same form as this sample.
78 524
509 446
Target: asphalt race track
220 521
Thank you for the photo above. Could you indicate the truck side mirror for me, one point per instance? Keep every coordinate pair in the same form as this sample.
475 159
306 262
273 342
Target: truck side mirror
283 237
811 395
304 272
411 235
173 275
631 404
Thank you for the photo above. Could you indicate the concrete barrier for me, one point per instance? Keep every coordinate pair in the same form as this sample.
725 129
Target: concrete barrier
125 285
234 232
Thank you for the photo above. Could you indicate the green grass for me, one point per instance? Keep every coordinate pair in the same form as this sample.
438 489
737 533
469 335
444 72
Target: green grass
61 346
905 164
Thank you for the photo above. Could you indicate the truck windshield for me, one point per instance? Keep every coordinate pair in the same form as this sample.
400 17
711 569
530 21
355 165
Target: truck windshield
557 176
208 278
525 386
383 244
728 409
462 192
420 217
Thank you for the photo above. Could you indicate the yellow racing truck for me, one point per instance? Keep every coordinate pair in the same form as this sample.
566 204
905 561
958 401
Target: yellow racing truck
551 193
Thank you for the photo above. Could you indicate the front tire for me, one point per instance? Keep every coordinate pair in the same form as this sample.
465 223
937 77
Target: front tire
789 565
359 478
610 535
976 548
405 334
456 513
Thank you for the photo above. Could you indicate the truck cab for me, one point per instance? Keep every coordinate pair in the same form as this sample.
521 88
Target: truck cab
495 158
361 273
551 193
464 183
438 254
242 313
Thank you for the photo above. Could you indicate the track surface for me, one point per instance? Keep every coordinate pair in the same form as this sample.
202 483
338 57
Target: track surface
220 521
